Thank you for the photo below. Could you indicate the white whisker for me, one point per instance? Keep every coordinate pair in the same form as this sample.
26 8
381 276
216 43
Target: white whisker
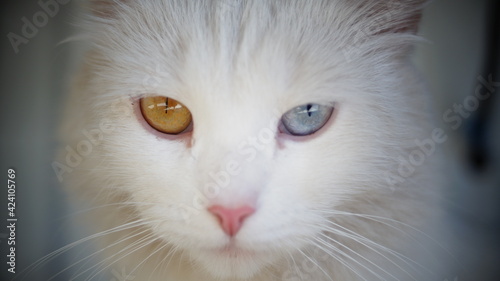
315 263
162 247
171 252
63 249
359 239
338 258
382 219
97 252
356 253
349 257
135 246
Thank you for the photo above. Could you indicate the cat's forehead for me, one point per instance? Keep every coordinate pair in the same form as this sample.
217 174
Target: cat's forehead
198 51
202 54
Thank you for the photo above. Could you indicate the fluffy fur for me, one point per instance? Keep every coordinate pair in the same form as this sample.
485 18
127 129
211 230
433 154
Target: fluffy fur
330 206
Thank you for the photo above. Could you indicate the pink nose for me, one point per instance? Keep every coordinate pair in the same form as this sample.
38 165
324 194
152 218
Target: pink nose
231 220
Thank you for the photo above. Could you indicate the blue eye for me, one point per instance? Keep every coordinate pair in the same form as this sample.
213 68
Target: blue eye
306 119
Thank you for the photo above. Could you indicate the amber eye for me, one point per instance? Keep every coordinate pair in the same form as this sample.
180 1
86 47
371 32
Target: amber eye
165 114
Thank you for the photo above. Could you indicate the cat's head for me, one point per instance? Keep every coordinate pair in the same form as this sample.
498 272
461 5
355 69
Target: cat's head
236 128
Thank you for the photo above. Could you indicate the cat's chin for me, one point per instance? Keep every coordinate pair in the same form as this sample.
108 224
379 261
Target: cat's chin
232 262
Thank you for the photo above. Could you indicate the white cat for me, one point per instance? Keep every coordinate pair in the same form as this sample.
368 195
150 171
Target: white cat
256 140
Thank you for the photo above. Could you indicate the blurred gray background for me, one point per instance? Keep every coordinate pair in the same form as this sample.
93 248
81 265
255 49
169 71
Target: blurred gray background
461 48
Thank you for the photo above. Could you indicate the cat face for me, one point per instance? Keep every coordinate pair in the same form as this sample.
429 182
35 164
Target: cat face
246 182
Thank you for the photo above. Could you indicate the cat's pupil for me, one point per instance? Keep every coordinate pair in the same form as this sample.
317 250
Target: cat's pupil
166 106
309 106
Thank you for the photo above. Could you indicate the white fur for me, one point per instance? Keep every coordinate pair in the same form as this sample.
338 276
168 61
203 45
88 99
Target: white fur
238 66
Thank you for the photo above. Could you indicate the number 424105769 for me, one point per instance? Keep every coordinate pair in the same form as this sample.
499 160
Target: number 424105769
11 185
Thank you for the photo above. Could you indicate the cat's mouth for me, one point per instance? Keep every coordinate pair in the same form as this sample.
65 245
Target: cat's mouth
232 250
233 261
